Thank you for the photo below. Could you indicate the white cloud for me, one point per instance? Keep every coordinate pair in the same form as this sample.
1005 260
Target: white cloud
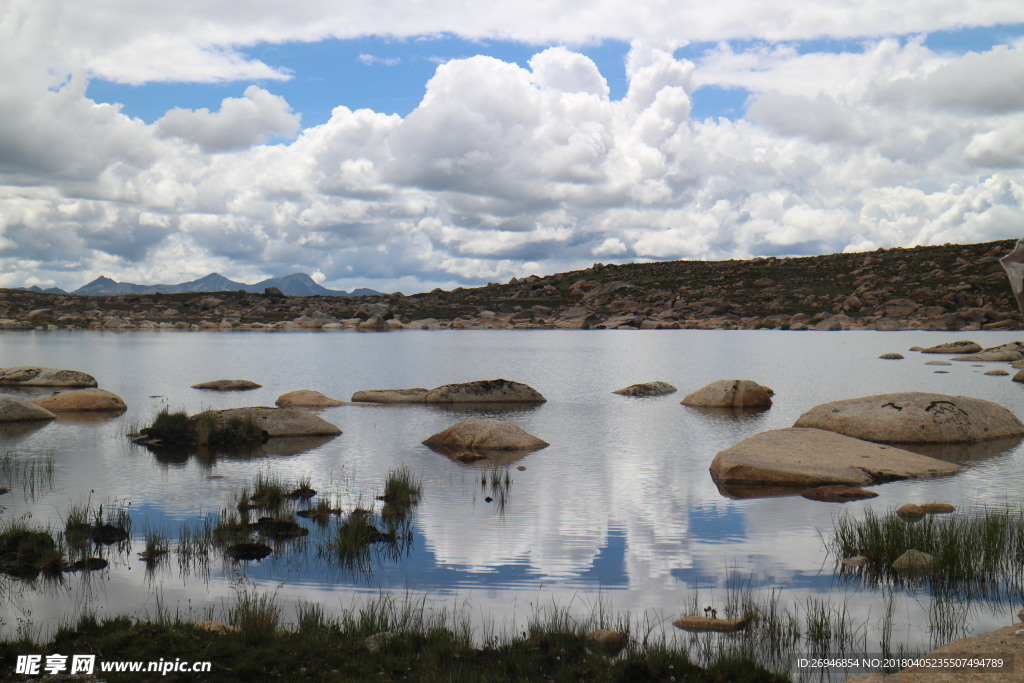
502 169
370 60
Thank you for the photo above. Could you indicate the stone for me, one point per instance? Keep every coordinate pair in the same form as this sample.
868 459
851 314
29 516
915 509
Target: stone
937 508
417 395
216 627
484 434
910 511
82 400
612 642
227 385
280 421
997 373
485 391
957 347
815 457
377 641
838 493
914 417
273 293
697 624
306 398
913 561
855 561
938 362
29 376
647 389
731 393
14 409
1011 352
891 356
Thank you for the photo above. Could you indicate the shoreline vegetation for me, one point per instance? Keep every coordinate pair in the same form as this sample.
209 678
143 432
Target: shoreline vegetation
948 287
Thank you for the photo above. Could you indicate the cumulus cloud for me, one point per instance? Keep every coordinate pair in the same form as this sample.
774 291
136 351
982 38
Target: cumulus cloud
503 169
241 122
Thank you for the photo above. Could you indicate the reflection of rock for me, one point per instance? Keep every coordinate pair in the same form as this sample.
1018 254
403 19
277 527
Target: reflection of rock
729 414
486 435
14 409
488 459
10 431
77 400
914 417
26 376
227 385
749 491
965 452
306 398
647 389
962 346
416 395
815 457
728 393
838 493
485 391
279 421
285 446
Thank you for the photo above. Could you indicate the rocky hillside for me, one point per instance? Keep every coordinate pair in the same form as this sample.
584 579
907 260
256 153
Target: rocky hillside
949 287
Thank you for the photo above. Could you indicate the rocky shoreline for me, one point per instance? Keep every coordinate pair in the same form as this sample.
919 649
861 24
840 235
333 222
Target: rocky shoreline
948 287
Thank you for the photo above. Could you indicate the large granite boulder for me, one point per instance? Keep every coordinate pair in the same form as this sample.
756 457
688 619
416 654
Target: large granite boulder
227 385
962 346
647 389
14 409
914 417
75 400
417 395
815 457
279 421
731 393
306 398
486 435
485 391
28 376
1011 352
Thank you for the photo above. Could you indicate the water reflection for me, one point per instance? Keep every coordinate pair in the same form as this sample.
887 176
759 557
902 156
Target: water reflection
282 446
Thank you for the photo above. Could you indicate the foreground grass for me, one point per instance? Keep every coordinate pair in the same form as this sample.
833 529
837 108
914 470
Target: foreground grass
384 640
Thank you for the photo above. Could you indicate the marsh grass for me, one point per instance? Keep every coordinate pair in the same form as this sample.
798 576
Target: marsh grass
156 546
402 491
27 551
977 553
257 616
107 524
30 474
177 427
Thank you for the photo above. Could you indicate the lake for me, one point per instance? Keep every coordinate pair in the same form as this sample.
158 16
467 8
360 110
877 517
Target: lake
618 511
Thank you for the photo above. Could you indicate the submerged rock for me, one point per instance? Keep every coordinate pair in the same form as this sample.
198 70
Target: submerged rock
962 346
14 409
417 395
815 457
647 389
697 624
31 376
74 400
838 493
227 385
731 393
306 398
248 551
914 417
279 421
485 391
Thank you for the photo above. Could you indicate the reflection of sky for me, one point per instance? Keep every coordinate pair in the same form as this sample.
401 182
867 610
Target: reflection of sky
621 500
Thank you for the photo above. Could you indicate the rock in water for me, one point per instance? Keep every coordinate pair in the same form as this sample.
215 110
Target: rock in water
14 409
75 400
25 376
962 346
697 624
914 417
279 421
416 395
647 389
838 493
485 391
731 393
486 435
815 457
227 385
306 398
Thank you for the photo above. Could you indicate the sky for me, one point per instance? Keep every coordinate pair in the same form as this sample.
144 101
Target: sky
405 145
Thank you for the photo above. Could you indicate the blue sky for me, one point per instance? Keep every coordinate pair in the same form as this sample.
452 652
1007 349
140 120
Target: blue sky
466 147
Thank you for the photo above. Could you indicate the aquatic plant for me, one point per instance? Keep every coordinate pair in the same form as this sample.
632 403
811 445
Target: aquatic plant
26 472
27 551
207 428
401 492
157 544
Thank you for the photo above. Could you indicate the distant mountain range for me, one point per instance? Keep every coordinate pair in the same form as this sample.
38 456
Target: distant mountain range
296 284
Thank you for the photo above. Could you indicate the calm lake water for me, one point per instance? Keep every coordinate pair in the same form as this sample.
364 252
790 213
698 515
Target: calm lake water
619 510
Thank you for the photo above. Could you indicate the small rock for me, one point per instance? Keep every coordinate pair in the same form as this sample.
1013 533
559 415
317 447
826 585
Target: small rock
911 511
937 508
216 627
938 362
855 561
891 356
227 385
306 398
997 373
913 561
838 493
80 400
696 624
647 389
486 435
611 642
731 393
417 395
957 347
14 409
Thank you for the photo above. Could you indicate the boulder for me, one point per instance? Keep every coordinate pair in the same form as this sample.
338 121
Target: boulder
647 389
280 421
731 393
485 391
913 561
227 385
608 641
914 417
14 409
306 398
910 511
82 400
815 457
938 508
1011 352
891 356
26 376
486 435
963 346
838 493
416 395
